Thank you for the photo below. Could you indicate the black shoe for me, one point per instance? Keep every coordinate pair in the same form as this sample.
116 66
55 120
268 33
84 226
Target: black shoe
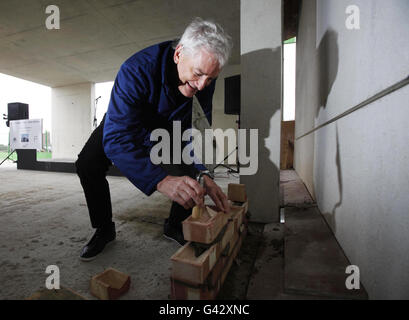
99 240
173 233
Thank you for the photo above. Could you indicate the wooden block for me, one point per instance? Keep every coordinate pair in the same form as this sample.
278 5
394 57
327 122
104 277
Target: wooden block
227 245
193 270
190 269
233 242
212 212
205 229
214 276
183 291
110 284
236 192
234 208
232 257
197 212
228 235
246 207
209 289
237 216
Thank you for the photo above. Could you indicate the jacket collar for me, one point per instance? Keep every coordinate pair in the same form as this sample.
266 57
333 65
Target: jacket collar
167 64
169 73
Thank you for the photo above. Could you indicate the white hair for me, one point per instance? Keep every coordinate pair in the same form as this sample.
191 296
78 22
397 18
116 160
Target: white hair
201 34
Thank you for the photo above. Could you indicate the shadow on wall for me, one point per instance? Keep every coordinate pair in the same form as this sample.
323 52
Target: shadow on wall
331 217
261 96
327 62
327 59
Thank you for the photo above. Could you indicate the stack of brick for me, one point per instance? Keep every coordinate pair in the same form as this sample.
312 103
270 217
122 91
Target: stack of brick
200 267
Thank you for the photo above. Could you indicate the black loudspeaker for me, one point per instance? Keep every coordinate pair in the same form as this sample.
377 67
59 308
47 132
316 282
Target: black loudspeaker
232 95
17 111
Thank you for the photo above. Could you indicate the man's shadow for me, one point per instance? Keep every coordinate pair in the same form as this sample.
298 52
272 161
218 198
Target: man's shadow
331 217
327 57
261 71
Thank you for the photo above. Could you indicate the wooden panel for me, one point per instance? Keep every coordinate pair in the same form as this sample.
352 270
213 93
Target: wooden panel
287 145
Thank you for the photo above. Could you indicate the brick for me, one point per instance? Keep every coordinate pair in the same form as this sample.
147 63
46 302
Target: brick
214 276
228 235
223 261
110 284
209 289
183 291
194 270
191 269
236 215
246 206
236 192
233 242
198 277
205 229
233 256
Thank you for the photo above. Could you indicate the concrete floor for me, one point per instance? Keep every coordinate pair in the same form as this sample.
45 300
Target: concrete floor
44 221
300 258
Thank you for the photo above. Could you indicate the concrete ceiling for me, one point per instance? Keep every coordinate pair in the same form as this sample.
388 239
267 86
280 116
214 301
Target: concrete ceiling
97 36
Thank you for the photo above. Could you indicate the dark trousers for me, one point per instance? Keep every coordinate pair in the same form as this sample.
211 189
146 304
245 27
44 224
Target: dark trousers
92 166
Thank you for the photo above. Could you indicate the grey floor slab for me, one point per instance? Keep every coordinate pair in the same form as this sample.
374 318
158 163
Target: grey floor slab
44 221
293 191
314 263
266 282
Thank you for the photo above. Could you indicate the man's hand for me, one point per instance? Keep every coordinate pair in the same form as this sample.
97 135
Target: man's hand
217 195
184 190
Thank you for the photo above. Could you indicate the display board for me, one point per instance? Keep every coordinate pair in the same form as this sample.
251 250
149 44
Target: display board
26 134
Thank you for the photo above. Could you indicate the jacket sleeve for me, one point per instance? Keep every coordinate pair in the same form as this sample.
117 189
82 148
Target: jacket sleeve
126 141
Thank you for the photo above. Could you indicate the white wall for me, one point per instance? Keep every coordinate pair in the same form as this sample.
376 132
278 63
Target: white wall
103 90
357 167
71 119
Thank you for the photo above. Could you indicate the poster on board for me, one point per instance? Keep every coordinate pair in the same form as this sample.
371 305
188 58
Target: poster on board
26 134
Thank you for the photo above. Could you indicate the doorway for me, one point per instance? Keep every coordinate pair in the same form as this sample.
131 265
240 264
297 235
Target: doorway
288 114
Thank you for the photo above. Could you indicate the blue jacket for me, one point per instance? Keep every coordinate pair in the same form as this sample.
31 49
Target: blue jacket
145 97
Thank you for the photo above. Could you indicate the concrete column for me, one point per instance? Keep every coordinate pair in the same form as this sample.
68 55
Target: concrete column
71 118
261 100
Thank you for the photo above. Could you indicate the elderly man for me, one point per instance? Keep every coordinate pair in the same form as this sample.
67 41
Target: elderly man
152 89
